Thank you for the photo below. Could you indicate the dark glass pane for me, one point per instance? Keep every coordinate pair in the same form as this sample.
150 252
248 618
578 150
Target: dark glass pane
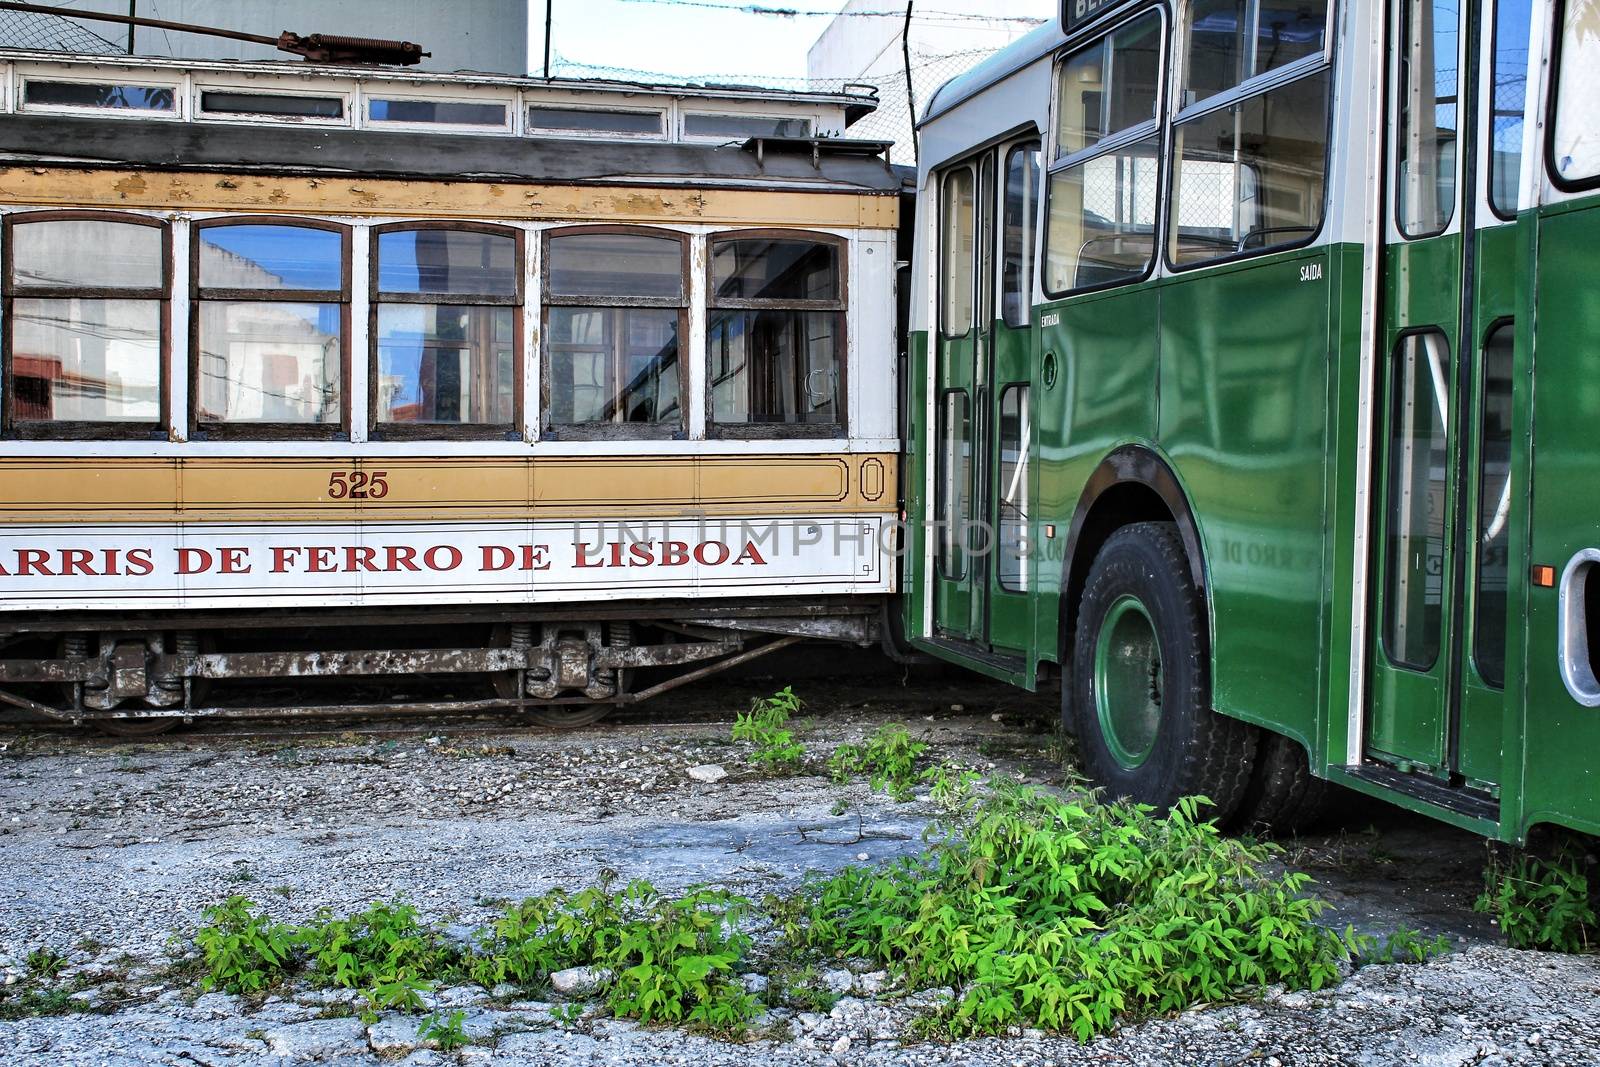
448 262
87 254
256 256
1012 541
744 126
1494 508
613 365
87 94
1250 177
440 363
1510 73
1229 41
443 111
314 107
270 361
1021 209
954 484
775 366
572 118
1413 599
86 360
616 264
1426 188
763 268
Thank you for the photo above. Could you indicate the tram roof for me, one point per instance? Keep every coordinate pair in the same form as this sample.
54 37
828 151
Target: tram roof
1028 49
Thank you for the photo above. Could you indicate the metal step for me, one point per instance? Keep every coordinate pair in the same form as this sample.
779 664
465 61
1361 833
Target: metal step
1458 799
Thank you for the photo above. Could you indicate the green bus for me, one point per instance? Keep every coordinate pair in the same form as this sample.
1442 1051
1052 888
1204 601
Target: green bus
1249 394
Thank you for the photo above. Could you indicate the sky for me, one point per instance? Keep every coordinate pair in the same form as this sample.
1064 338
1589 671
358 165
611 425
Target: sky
703 39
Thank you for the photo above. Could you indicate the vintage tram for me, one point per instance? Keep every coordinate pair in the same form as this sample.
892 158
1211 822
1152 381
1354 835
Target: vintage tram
328 389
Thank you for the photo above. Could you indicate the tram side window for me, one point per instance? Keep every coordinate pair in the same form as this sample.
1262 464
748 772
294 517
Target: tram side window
1016 267
614 328
1508 103
1012 541
954 485
1232 41
1102 210
1426 154
1575 144
84 342
269 309
1494 507
1419 419
1251 177
957 241
775 340
445 308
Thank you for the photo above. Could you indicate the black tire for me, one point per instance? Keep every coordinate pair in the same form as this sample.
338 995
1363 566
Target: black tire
1186 748
1284 797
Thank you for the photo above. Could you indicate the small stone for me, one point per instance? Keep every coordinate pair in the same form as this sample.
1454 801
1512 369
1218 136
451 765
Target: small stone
808 1020
708 773
863 856
841 1046
754 983
578 981
873 983
838 982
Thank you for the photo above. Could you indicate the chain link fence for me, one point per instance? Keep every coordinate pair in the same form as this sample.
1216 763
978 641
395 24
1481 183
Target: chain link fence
53 33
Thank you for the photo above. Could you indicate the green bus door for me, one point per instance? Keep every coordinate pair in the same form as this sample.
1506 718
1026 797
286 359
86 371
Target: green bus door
1443 504
982 398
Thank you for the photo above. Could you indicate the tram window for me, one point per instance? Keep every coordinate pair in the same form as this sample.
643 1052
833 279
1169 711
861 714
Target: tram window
614 325
1250 178
954 483
1510 87
83 314
1494 507
1015 436
1426 193
1413 609
776 335
445 112
957 242
272 105
270 305
1021 211
1232 41
744 126
1575 144
1111 85
447 328
594 120
1102 219
98 95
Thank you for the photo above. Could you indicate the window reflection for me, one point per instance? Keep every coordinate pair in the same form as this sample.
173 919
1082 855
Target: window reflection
270 362
447 262
445 364
1231 41
252 256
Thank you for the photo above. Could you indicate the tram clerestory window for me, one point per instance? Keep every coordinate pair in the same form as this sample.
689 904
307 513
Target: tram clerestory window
615 310
109 95
270 305
446 311
775 340
84 310
1575 141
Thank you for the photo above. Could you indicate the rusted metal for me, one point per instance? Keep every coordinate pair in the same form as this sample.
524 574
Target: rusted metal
88 671
37 708
721 665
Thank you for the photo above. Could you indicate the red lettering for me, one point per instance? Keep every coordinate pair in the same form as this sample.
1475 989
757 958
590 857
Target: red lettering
397 557
31 560
282 557
497 558
641 553
616 553
319 559
708 548
361 558
77 561
232 560
582 561
452 553
674 553
533 558
140 561
751 555
193 561
109 566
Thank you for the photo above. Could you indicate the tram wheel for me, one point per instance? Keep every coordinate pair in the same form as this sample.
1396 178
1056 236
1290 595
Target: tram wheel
1284 797
136 727
1140 695
566 716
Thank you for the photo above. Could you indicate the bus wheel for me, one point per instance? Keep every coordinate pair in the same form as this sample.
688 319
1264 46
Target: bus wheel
1140 695
1284 797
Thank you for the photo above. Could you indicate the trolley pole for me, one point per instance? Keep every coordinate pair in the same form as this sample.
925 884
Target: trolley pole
133 13
549 6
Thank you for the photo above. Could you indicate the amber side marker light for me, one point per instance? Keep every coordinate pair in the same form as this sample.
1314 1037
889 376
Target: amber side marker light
1544 575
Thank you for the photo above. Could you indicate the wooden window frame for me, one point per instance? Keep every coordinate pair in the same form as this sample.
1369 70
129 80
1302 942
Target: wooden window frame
840 427
51 430
618 431
269 431
379 430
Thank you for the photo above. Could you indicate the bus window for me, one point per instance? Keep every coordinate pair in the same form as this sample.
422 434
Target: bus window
1022 199
956 247
1510 89
1109 86
1012 542
1413 608
1425 199
954 482
1494 507
1575 147
1250 177
1232 41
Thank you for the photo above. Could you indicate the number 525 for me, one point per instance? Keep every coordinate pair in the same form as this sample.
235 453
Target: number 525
358 485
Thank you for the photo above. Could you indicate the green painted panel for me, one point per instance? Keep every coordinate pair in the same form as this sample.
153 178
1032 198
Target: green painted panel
1010 605
913 468
1244 391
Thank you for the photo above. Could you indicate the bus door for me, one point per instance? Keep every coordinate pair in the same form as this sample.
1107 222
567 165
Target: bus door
1443 505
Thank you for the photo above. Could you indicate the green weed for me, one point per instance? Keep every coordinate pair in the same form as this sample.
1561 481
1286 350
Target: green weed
1406 945
766 726
448 1033
1544 904
888 759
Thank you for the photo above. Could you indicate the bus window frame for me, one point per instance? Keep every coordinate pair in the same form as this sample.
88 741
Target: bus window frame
270 431
49 430
1552 110
379 430
1159 127
1032 244
548 300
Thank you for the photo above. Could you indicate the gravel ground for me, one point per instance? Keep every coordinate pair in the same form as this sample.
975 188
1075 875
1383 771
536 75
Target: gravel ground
112 850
